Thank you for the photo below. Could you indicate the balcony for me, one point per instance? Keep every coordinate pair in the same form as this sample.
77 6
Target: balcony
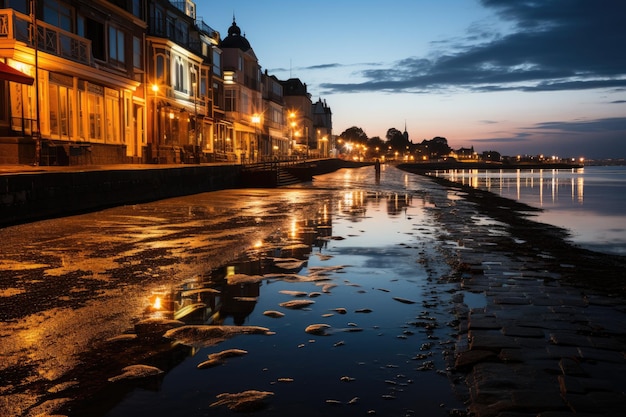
19 27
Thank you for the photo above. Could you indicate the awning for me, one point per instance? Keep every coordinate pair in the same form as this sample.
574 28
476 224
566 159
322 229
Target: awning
244 128
11 74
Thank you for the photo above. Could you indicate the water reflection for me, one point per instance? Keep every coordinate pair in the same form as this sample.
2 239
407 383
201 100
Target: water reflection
587 201
364 270
124 285
547 184
211 299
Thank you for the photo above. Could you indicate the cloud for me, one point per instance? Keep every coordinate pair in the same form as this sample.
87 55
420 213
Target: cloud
594 138
517 138
553 45
611 124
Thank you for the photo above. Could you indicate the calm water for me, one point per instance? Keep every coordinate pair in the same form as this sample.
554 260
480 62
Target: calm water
589 202
381 296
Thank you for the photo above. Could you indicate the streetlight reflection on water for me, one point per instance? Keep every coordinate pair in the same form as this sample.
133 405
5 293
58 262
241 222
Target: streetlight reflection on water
539 180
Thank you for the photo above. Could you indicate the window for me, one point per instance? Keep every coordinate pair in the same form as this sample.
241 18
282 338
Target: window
277 115
137 53
94 109
245 103
182 32
203 84
112 116
217 63
94 31
158 21
60 102
58 14
116 45
137 10
277 89
179 80
230 98
217 97
171 28
160 69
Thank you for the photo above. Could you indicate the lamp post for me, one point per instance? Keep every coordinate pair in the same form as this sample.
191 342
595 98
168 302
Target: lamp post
155 89
195 123
256 119
35 41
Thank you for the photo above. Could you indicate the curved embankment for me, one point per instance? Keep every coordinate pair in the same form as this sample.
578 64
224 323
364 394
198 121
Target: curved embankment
421 167
541 322
580 266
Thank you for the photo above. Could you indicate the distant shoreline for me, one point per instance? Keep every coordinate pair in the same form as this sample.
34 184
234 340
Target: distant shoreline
444 165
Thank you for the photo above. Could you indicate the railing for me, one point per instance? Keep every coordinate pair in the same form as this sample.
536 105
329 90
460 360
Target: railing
207 29
14 25
269 162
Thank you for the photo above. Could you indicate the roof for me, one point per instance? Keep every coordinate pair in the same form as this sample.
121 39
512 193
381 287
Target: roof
234 39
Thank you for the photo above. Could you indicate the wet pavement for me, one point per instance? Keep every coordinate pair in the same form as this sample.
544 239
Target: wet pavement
511 338
533 343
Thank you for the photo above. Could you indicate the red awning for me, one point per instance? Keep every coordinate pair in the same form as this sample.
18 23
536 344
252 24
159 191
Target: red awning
11 74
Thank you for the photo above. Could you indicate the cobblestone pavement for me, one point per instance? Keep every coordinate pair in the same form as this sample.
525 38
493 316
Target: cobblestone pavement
530 343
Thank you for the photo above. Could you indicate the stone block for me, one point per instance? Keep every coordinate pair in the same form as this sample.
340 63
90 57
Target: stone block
468 359
569 339
520 331
538 400
571 367
490 340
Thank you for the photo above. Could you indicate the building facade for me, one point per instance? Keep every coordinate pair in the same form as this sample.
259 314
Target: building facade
299 110
141 81
323 127
86 104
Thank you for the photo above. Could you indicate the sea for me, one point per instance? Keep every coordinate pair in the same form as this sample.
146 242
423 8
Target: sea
589 202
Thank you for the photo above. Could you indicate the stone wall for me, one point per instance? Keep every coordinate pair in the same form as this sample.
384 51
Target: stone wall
38 195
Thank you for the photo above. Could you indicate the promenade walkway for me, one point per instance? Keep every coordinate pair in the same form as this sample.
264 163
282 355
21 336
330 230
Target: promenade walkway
532 341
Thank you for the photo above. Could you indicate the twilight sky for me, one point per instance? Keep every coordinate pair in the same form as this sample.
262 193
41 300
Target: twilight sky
519 77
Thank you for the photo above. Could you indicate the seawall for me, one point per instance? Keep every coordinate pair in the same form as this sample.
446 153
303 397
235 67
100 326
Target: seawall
39 193
31 196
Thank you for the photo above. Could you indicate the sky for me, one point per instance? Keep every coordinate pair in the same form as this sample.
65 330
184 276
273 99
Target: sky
522 77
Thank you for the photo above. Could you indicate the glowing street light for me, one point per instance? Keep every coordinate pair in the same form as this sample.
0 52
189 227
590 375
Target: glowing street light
256 119
155 89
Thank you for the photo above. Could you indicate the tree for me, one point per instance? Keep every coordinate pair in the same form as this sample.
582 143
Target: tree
354 134
434 148
376 147
397 140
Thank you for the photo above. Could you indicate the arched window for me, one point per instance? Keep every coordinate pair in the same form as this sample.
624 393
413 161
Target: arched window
179 82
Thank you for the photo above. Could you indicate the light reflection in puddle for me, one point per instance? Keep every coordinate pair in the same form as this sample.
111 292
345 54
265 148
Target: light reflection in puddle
370 255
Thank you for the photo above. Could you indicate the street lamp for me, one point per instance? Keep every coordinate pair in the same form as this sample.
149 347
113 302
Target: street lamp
256 119
292 131
155 134
195 123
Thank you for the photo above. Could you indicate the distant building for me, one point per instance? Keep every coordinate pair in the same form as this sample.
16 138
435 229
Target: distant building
465 154
178 83
323 126
275 136
491 156
242 94
299 110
